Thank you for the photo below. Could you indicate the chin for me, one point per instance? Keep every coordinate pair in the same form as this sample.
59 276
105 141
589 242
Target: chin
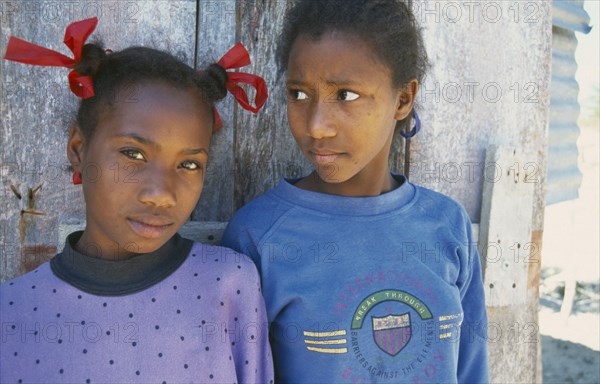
331 179
141 246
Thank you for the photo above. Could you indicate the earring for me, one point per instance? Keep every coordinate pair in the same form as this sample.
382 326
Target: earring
415 126
76 178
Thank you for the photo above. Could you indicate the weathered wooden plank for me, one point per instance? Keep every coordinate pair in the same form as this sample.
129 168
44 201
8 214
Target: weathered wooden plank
37 109
480 91
265 149
506 221
216 33
206 232
35 114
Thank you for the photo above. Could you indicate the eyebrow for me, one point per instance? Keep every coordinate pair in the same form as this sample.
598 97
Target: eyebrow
143 140
340 82
294 82
195 151
137 138
337 82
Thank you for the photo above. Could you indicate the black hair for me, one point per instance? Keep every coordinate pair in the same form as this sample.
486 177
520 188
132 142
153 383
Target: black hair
118 74
387 26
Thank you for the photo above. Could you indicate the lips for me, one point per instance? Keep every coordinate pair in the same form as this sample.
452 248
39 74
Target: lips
151 227
321 156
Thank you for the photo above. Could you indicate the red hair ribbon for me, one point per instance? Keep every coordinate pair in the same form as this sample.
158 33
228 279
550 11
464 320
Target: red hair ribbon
75 36
238 57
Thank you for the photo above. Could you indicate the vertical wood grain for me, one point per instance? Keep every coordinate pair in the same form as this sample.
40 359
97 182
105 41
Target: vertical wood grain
397 153
480 92
216 33
264 148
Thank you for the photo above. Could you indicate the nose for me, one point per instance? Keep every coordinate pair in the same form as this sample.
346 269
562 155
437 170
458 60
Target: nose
158 187
320 123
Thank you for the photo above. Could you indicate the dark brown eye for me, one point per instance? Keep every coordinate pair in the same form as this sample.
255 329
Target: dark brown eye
133 154
347 96
191 165
295 94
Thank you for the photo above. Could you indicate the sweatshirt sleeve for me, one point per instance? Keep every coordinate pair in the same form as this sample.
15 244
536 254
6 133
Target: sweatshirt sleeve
473 349
248 331
237 236
249 224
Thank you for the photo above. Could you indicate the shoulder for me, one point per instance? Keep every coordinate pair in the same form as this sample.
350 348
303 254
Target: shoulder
223 262
229 277
436 207
432 199
254 219
40 275
440 206
265 208
18 293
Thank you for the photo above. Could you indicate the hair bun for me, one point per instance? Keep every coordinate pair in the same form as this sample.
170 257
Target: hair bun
91 56
219 79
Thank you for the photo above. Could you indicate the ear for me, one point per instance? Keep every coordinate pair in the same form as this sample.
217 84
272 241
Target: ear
75 147
406 99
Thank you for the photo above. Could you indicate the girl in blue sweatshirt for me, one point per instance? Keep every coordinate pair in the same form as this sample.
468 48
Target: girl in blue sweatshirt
367 278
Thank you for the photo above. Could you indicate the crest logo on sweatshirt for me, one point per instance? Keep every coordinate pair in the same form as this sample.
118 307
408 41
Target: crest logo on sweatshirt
400 324
390 295
392 333
386 329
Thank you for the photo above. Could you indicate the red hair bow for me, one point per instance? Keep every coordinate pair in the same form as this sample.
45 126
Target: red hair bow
238 57
75 36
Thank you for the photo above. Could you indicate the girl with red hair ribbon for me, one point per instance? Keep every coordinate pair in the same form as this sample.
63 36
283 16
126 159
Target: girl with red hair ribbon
128 300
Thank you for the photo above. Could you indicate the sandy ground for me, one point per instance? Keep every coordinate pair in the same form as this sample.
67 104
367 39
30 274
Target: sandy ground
571 345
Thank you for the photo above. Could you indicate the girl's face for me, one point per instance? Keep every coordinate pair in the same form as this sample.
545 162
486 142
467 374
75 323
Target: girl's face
143 170
342 111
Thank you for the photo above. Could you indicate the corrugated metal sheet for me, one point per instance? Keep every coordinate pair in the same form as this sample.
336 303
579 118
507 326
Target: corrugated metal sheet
564 176
570 15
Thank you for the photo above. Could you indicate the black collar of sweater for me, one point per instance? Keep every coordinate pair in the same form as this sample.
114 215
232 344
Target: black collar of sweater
118 277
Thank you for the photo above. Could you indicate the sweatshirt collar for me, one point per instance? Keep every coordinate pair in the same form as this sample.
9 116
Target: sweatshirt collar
118 277
391 201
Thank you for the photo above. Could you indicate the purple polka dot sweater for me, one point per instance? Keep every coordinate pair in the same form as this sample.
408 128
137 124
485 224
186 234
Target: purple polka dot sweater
187 313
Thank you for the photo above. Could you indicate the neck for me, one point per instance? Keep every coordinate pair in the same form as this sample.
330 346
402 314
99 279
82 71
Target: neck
358 186
90 249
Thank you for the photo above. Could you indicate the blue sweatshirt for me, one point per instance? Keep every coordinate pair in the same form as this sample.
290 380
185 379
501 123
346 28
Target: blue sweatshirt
383 289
